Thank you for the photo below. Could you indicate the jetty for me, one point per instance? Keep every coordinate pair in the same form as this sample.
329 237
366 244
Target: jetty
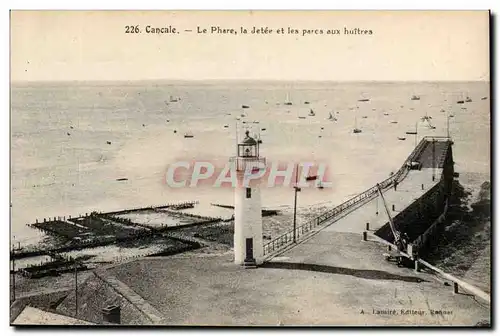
331 270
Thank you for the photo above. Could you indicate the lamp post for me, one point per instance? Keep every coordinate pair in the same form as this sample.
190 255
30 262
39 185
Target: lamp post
297 189
416 133
448 125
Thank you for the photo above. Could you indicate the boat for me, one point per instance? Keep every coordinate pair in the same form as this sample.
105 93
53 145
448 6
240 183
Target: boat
364 117
311 113
263 129
188 135
245 106
306 103
287 101
394 122
442 110
122 179
173 100
302 117
411 132
451 116
364 100
226 126
401 138
259 141
255 122
386 114
428 124
331 117
468 99
356 129
242 115
460 101
484 98
415 97
108 142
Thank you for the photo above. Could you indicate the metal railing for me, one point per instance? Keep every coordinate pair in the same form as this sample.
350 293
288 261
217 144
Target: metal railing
287 238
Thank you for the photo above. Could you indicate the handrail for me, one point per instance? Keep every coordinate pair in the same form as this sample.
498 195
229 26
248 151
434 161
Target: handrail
284 240
468 287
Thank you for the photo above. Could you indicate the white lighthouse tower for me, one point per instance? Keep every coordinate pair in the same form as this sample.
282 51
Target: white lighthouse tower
248 243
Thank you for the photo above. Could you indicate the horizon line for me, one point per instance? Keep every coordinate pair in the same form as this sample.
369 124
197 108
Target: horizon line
245 80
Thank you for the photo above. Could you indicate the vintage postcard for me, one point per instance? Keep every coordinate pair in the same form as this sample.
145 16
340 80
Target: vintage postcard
250 168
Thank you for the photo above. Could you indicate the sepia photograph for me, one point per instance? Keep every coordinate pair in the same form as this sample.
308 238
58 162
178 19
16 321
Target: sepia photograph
250 168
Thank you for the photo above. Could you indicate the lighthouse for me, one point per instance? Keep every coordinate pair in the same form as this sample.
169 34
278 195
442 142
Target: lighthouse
248 244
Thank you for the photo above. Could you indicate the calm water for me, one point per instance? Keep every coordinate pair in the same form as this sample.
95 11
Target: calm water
62 164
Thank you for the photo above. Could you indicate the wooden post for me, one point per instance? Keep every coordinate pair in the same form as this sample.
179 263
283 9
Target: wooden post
365 236
389 248
393 207
417 269
422 186
367 226
455 288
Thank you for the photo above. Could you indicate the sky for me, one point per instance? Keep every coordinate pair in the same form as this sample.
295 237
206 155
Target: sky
94 45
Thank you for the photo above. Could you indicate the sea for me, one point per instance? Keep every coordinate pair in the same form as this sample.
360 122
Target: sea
72 141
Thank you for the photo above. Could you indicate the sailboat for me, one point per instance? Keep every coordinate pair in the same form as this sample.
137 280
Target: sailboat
287 101
428 123
188 135
468 99
414 97
331 117
173 100
311 113
426 117
356 129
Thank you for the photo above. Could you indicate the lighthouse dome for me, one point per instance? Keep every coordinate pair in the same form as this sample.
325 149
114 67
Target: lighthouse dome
248 139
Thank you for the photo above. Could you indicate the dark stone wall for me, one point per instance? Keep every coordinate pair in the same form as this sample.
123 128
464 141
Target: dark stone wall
419 216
